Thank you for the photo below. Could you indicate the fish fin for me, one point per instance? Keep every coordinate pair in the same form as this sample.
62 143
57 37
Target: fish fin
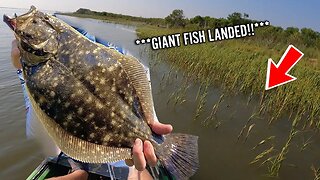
137 75
179 154
75 147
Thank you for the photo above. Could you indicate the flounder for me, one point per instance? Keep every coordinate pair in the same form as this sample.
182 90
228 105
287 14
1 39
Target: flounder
93 101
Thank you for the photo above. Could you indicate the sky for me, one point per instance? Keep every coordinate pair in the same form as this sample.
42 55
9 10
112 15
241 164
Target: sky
284 13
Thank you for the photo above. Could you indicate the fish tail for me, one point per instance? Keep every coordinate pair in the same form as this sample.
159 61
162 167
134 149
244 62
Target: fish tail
179 155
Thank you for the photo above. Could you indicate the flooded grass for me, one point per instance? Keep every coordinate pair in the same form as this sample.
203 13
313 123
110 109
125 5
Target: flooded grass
276 161
212 117
202 99
316 172
239 67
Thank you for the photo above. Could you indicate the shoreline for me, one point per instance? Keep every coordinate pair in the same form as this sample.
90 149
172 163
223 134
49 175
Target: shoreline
105 19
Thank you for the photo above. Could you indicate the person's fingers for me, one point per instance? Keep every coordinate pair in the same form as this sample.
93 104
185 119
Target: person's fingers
160 128
129 162
149 153
138 156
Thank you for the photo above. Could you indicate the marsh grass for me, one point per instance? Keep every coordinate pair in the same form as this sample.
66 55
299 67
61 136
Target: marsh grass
316 172
276 162
178 97
268 139
271 157
262 155
240 66
202 99
212 117
306 144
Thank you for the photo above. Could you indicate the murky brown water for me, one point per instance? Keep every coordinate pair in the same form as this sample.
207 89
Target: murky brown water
222 156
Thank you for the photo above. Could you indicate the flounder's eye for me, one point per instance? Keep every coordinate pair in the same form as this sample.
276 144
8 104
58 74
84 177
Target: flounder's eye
28 48
34 21
28 35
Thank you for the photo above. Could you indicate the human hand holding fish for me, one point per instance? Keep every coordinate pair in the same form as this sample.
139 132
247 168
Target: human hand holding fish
143 152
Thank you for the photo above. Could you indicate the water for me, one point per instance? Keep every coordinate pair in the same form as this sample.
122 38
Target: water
18 155
222 156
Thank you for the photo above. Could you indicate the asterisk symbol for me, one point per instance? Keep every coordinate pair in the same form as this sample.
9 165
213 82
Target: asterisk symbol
137 41
261 23
143 41
148 40
267 23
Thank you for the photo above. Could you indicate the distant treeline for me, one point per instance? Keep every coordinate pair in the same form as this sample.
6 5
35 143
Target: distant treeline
291 35
152 21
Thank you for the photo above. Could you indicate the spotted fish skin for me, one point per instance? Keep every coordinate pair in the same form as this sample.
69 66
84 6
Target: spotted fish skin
93 101
83 113
99 104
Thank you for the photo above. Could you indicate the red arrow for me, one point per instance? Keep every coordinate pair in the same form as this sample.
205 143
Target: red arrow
278 74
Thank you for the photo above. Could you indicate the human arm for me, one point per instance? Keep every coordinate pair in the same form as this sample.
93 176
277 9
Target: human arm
15 55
